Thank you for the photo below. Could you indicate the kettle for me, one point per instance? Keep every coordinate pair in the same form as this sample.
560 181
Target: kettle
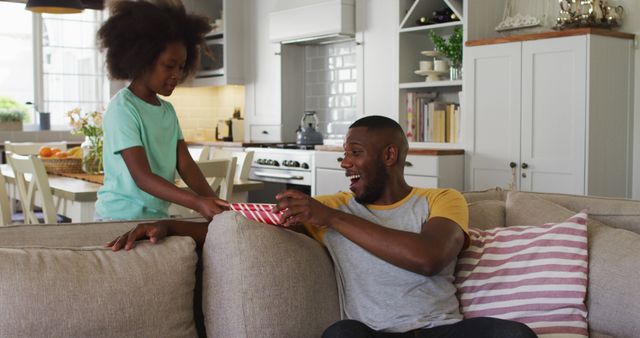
307 134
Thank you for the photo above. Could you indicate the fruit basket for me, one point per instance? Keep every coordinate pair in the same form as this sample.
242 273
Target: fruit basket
69 165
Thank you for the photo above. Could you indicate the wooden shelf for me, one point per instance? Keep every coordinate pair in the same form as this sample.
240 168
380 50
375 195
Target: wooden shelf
431 84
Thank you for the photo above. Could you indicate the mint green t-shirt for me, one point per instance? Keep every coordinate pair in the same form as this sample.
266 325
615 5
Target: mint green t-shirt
129 122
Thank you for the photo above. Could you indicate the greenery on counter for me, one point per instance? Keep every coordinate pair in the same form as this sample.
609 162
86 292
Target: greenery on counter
451 48
11 111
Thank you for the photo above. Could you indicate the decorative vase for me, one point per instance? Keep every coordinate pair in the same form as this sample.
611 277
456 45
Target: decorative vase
92 155
455 72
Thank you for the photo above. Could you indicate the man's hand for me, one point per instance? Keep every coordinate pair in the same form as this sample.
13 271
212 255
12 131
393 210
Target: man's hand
211 206
154 231
301 208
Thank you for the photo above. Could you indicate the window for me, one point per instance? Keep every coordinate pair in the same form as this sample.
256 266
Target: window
54 62
73 73
16 59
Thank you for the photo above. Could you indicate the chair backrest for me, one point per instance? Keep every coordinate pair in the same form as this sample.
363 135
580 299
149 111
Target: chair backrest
243 164
5 210
219 173
204 153
32 148
31 179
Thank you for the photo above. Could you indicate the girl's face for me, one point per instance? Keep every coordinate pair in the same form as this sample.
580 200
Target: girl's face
168 69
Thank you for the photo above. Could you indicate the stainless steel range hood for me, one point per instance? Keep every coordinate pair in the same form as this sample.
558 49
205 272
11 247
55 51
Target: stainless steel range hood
312 21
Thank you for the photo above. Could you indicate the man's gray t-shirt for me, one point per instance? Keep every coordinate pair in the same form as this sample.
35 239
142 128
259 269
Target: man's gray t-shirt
379 294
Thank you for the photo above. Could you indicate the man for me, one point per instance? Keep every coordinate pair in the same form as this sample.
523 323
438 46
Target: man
394 246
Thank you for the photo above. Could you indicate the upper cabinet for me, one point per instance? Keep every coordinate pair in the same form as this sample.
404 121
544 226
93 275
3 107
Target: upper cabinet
428 90
226 42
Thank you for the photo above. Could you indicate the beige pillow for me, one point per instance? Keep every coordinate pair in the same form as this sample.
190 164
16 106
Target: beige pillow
613 294
94 292
486 214
264 281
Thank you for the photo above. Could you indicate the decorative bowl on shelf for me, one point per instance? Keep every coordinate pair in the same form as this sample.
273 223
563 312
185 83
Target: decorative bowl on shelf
431 75
432 53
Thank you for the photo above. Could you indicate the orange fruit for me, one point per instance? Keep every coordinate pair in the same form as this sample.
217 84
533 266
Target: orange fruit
45 152
55 150
61 154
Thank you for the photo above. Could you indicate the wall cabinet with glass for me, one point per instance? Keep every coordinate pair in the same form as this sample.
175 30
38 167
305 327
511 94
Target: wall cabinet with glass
224 65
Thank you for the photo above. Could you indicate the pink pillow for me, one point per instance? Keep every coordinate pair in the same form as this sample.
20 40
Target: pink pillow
536 275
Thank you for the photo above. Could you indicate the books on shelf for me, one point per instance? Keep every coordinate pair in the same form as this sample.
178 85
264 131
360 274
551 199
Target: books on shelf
429 120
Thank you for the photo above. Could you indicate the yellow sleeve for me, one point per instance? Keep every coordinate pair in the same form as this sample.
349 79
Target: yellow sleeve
450 204
333 202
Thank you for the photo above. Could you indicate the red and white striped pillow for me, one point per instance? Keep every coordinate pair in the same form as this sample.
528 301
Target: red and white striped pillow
536 275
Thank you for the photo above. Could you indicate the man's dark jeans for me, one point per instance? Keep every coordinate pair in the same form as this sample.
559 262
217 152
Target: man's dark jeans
481 327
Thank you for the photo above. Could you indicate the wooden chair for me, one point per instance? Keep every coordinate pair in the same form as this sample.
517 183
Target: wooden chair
31 148
219 173
37 186
5 210
243 164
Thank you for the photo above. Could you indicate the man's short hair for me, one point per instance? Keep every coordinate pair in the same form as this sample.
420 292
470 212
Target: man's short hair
377 122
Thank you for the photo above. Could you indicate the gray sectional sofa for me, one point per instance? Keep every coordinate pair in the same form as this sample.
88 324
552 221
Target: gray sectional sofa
259 280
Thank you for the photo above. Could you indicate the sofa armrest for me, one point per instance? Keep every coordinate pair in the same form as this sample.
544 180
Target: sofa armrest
264 281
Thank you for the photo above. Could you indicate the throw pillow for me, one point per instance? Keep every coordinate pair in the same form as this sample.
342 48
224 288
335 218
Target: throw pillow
536 275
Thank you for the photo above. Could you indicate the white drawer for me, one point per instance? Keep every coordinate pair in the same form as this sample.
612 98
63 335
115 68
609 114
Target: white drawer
268 133
329 159
421 165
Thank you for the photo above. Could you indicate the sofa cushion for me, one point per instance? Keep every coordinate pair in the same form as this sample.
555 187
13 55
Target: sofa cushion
264 281
67 235
613 295
533 274
496 194
486 214
94 292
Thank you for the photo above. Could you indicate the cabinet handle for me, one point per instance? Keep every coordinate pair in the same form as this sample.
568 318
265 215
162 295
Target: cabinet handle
276 53
340 159
408 164
524 165
512 165
265 132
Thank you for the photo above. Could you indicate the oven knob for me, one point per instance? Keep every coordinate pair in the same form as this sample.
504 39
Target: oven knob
285 163
305 165
260 161
296 164
275 163
269 162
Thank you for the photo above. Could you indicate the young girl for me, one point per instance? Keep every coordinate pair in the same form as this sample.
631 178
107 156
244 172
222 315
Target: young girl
155 47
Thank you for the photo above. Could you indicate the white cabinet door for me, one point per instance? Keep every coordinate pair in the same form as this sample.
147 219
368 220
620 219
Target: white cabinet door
493 102
553 139
267 68
331 181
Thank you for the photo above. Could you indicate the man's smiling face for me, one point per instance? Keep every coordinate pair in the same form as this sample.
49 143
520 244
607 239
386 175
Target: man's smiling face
364 166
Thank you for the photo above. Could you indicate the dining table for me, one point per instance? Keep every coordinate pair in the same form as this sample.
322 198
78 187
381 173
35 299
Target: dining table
75 195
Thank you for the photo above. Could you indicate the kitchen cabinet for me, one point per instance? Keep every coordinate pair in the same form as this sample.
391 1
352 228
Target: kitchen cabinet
226 42
547 108
424 171
273 106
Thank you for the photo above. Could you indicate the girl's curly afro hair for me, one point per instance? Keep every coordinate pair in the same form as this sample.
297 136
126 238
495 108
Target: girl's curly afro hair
137 32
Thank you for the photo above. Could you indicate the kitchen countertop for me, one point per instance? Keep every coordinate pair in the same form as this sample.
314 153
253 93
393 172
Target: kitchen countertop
239 144
413 151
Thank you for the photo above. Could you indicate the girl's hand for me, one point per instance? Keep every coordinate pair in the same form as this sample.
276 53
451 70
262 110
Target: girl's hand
153 231
211 206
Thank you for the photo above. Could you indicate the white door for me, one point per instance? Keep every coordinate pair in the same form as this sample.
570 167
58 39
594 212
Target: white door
492 95
552 153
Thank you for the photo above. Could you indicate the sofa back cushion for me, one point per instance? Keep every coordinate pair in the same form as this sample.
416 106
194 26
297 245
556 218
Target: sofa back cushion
613 294
264 281
94 292
486 214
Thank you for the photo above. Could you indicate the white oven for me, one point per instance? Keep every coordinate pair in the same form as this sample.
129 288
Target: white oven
281 169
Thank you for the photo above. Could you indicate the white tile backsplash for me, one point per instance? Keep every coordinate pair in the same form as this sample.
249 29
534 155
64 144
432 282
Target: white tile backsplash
331 86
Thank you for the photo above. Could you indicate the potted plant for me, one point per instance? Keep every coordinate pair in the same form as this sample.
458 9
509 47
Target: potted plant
12 114
452 49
